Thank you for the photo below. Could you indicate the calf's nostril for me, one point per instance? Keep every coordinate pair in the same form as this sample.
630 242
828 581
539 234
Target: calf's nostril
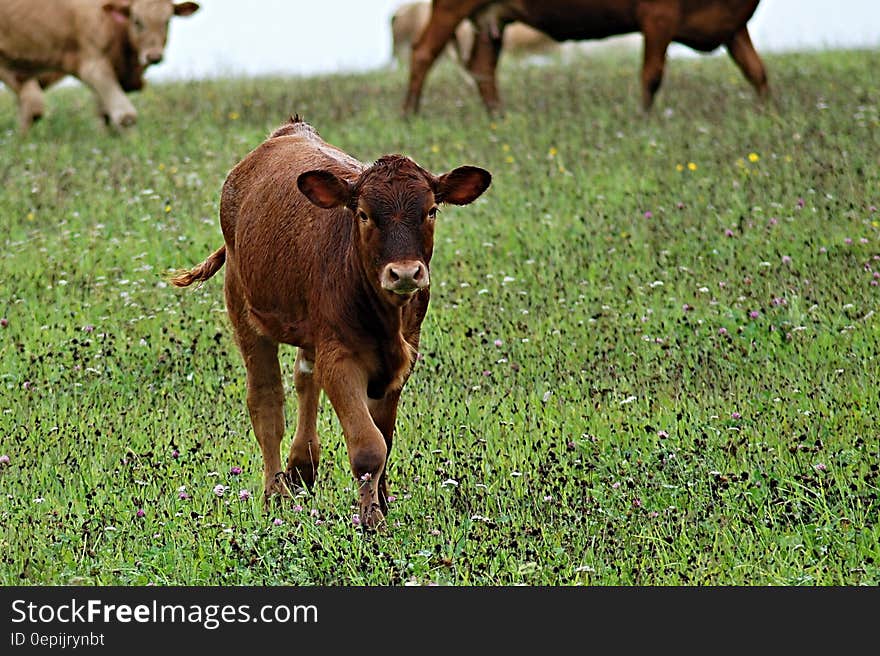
393 275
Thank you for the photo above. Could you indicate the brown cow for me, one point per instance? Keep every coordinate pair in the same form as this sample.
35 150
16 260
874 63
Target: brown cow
699 24
332 256
107 44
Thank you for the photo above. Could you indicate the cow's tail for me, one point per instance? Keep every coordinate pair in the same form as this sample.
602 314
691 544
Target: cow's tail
203 271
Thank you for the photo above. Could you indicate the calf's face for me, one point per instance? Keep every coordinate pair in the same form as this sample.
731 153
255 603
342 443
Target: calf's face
147 24
394 204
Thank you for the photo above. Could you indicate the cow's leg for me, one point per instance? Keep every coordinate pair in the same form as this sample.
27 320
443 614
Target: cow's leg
305 451
384 414
32 105
483 63
346 386
463 42
445 17
658 32
100 76
746 57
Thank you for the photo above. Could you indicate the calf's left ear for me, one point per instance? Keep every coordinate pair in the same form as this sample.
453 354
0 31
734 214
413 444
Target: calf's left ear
462 185
186 8
324 189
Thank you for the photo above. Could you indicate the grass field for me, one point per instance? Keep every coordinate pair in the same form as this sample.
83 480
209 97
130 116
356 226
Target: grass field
651 357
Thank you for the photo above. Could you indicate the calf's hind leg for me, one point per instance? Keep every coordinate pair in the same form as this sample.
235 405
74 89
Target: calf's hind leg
265 401
305 451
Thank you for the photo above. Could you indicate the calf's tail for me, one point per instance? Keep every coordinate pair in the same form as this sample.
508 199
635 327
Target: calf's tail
203 271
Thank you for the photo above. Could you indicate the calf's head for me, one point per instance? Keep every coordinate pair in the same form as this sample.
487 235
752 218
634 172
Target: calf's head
147 24
393 205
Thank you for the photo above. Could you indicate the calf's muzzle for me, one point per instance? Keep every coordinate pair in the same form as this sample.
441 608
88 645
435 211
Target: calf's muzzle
405 277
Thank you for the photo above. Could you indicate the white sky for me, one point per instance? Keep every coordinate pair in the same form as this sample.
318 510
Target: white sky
304 36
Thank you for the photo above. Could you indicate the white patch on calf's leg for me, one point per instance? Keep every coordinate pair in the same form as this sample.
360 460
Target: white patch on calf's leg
305 366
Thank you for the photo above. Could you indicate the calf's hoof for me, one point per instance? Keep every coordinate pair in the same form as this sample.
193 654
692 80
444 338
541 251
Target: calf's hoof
301 476
372 518
277 491
371 515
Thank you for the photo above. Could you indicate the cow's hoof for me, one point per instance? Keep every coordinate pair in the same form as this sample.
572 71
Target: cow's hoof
122 122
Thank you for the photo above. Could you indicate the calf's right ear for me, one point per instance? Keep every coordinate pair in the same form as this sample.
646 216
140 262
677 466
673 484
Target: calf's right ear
324 189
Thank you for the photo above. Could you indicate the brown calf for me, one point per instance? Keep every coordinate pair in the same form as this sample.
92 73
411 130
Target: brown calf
699 24
332 256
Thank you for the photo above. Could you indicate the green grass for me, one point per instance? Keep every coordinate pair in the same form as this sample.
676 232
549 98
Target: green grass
684 386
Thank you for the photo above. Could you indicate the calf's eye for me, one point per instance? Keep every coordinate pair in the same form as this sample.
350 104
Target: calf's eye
432 213
363 216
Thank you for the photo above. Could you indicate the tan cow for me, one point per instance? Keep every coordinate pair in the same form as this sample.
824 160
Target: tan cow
703 25
333 256
411 18
107 44
517 38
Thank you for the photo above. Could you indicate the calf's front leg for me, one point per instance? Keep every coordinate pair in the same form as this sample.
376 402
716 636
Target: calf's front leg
345 384
384 414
